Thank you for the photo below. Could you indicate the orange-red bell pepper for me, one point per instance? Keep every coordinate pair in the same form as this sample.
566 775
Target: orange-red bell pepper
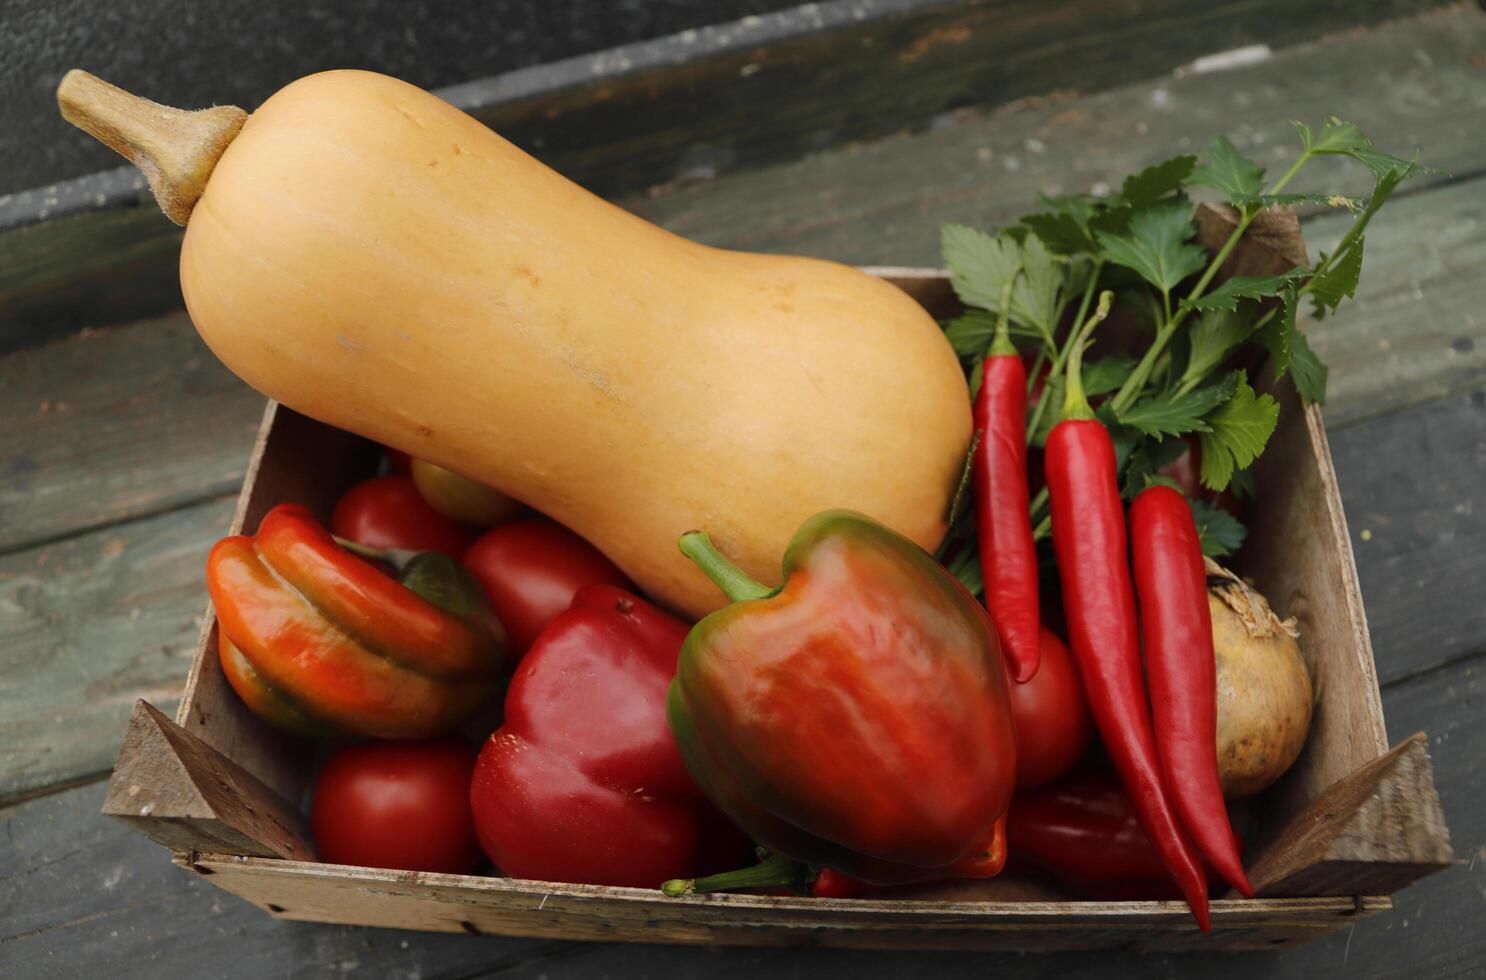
857 716
319 641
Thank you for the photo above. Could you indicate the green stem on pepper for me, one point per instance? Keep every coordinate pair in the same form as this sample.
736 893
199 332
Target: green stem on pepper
732 580
1083 308
774 871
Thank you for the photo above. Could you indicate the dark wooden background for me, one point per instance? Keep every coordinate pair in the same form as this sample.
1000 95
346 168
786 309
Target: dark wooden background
123 440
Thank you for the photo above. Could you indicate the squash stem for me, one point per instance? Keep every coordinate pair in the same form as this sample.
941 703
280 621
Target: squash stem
175 149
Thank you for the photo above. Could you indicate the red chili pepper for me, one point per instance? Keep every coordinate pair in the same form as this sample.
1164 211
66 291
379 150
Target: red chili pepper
1088 523
1082 829
1181 670
1008 555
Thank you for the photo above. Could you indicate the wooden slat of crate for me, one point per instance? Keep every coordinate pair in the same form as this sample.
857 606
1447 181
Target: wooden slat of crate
453 903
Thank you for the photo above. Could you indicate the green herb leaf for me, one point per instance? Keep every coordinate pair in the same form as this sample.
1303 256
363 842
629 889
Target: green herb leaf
1215 333
1306 369
1337 282
1236 434
1146 460
1035 297
979 264
1156 246
1235 288
1219 531
1064 227
1339 138
1106 374
1155 182
1275 337
971 332
1229 171
1171 414
1242 484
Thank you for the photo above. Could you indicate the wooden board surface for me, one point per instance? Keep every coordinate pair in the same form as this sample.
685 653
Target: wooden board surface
80 896
115 424
701 102
90 624
96 893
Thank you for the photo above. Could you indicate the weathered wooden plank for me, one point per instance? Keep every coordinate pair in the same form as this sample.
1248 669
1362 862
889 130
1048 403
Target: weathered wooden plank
84 896
88 625
98 898
1410 85
1416 330
689 105
181 793
1414 487
117 423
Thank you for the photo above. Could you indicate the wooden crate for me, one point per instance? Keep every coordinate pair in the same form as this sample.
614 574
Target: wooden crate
1351 823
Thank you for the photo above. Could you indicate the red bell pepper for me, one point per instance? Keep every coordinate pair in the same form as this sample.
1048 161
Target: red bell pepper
583 783
318 641
855 718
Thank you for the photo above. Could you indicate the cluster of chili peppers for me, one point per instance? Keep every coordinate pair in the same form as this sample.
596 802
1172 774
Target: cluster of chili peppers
1162 747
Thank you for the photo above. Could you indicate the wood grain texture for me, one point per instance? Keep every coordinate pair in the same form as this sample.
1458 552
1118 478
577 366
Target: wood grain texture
84 896
459 903
1411 85
1415 331
1300 557
1414 487
114 424
1376 830
87 626
181 793
692 105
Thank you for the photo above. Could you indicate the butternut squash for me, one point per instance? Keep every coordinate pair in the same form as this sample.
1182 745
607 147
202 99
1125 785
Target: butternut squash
374 258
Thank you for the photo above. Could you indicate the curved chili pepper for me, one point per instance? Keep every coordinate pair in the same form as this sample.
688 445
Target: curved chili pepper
1008 555
1180 667
856 717
316 640
1088 523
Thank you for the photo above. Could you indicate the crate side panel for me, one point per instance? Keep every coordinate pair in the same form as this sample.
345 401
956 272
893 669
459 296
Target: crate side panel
1300 557
498 906
295 460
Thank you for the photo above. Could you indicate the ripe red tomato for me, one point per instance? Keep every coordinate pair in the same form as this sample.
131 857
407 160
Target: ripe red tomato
531 570
401 805
1050 716
389 512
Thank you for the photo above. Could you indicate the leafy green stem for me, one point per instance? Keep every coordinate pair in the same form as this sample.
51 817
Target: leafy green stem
1135 383
1040 409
